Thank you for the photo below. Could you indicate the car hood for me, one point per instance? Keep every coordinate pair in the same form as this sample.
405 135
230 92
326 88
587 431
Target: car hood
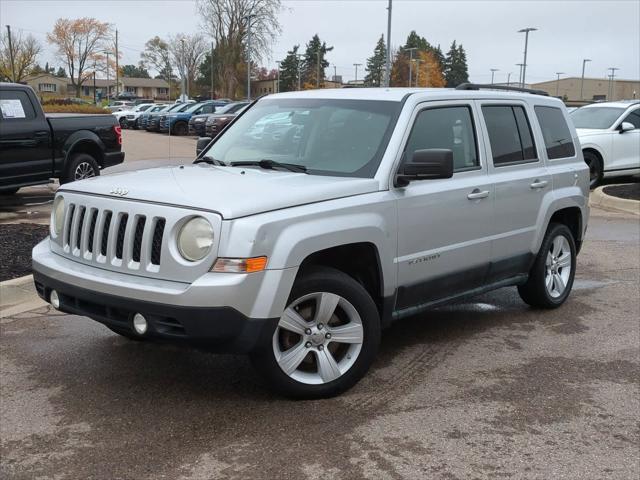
589 132
231 191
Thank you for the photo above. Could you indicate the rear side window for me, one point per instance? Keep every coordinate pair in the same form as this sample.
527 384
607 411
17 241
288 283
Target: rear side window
556 134
509 134
447 127
15 105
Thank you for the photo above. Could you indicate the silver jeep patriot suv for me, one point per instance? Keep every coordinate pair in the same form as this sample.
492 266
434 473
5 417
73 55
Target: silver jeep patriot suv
317 218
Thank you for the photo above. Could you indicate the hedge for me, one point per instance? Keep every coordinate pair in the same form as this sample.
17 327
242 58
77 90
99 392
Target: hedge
74 108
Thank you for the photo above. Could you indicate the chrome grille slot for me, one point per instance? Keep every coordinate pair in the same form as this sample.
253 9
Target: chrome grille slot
120 238
67 228
78 236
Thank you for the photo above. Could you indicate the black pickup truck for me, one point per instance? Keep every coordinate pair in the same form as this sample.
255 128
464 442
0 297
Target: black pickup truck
34 147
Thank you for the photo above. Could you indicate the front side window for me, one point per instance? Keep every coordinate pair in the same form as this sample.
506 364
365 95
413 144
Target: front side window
450 128
15 105
633 118
556 134
510 134
327 136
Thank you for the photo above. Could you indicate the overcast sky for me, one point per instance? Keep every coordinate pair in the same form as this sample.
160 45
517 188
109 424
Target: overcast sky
606 31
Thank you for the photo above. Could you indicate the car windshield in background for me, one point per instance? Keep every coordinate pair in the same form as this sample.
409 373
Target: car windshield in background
595 117
192 107
328 137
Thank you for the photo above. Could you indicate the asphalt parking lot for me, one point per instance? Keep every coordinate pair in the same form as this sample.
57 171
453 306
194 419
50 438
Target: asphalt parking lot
482 389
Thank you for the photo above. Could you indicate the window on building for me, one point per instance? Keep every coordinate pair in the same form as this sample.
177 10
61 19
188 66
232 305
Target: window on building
47 87
555 131
510 134
447 127
130 89
163 91
597 98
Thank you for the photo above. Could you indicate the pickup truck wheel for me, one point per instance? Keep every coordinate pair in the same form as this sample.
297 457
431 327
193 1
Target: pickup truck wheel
595 169
123 122
551 276
180 128
325 340
81 166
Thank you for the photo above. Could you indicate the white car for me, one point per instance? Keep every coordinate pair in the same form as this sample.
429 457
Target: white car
609 133
132 116
122 114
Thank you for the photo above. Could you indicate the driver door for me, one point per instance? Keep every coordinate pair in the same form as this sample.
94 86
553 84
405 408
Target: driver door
626 145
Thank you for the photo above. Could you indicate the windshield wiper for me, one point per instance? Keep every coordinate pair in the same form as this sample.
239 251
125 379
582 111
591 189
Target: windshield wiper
211 161
270 165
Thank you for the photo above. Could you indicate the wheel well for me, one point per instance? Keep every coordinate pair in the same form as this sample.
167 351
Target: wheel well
592 150
358 260
90 148
572 218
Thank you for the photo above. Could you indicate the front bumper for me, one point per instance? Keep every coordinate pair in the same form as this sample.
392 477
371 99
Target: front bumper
221 311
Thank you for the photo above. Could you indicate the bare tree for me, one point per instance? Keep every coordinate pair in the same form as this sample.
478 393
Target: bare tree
227 22
78 42
157 56
24 50
187 52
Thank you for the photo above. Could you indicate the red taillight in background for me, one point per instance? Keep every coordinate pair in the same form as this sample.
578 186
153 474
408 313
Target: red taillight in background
118 131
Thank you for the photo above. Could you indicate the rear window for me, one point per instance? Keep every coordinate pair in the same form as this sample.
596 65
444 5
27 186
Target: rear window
556 134
15 105
509 134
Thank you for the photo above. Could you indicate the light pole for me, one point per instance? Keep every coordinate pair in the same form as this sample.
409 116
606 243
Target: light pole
508 79
417 60
611 77
299 57
13 65
356 65
335 73
493 72
410 50
584 63
185 93
387 70
278 84
520 75
108 86
558 83
526 46
248 19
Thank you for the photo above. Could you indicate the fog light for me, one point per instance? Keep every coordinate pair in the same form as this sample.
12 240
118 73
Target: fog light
140 324
54 299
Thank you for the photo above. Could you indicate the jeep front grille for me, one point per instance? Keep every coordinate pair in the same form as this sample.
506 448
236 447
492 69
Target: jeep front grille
114 236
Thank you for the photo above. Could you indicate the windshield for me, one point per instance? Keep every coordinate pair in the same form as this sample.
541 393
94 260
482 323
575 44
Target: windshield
595 117
328 137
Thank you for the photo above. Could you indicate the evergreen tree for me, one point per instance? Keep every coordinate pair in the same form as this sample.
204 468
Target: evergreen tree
61 73
310 62
289 71
455 71
376 64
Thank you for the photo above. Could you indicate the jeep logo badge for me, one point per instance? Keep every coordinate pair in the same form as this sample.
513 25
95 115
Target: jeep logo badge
119 191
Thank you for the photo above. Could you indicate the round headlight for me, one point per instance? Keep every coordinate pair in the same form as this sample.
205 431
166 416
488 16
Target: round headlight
195 239
58 215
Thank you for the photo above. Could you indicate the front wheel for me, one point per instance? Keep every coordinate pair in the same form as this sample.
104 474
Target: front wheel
180 128
551 277
596 169
325 340
81 166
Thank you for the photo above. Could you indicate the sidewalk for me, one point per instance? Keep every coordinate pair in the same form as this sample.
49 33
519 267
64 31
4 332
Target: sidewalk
17 296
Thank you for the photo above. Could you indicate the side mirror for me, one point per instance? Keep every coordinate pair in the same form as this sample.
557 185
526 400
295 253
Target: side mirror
429 164
626 126
201 144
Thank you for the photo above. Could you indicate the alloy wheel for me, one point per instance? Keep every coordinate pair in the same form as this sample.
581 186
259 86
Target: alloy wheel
84 170
558 266
318 338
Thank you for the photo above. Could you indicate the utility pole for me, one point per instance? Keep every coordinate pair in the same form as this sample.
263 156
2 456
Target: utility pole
13 65
248 18
318 72
387 70
493 72
508 79
418 60
356 65
558 83
184 94
211 67
335 73
108 86
526 45
611 84
117 73
584 62
278 84
410 50
95 102
520 75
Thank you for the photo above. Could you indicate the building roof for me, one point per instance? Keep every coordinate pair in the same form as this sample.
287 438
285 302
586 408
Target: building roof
144 82
102 82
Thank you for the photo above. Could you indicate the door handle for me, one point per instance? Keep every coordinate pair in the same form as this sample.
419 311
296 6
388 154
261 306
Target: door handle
478 194
539 184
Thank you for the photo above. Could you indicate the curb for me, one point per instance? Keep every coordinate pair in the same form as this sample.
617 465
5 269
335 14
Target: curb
17 282
607 202
18 295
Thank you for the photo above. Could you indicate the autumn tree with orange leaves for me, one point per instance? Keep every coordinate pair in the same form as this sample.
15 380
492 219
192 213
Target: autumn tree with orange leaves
78 43
425 70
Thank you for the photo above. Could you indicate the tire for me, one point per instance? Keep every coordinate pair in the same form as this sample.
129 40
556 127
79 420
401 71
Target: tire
180 128
127 334
319 365
596 169
123 122
81 166
9 191
557 253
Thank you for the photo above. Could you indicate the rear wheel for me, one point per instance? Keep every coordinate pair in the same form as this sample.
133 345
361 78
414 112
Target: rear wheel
325 340
596 170
551 277
81 166
123 122
180 128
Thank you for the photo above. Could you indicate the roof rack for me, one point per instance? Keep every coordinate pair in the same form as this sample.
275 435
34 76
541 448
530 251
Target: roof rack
479 86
